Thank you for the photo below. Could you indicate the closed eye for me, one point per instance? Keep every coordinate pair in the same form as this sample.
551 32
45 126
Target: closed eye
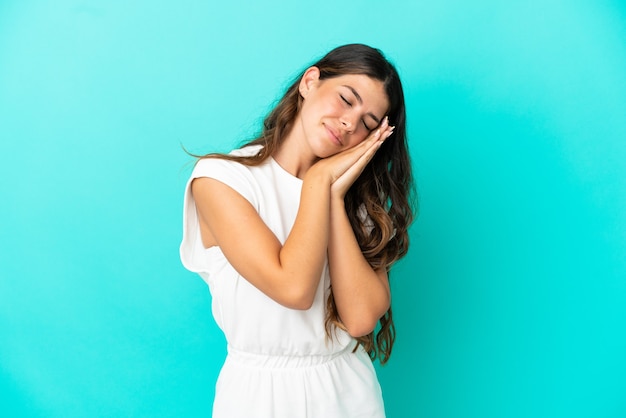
349 103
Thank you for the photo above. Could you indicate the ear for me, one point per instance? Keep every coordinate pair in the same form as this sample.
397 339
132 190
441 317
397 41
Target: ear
309 80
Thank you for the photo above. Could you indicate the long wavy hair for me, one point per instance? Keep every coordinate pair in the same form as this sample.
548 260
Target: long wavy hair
384 189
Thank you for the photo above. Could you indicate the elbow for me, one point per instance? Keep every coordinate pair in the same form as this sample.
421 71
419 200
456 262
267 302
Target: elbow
359 323
299 304
298 299
360 327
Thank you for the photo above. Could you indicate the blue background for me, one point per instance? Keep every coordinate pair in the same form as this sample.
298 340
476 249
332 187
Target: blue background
512 300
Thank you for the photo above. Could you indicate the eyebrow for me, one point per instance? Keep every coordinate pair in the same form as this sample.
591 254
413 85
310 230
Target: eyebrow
360 100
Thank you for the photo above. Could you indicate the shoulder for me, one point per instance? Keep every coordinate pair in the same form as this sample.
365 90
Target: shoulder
240 177
206 166
246 151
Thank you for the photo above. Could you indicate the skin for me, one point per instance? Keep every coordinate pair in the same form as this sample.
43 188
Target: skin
338 130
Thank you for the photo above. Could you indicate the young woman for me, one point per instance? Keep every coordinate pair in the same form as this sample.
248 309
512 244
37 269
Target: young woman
295 234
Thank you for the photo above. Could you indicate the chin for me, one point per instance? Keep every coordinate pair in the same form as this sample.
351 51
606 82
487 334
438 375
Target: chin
326 153
322 150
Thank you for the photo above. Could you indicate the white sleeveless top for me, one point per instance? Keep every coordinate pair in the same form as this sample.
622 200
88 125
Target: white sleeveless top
280 362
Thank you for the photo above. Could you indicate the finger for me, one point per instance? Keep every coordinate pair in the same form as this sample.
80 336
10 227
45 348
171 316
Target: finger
361 154
384 125
357 151
355 170
383 131
371 150
386 128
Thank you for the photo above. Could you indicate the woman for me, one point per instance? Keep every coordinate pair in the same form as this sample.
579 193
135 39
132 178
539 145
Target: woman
295 234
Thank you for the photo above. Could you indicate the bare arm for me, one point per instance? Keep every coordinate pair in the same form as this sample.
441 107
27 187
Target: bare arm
288 273
362 294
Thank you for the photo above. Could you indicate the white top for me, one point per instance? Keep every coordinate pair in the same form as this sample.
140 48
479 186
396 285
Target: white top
280 361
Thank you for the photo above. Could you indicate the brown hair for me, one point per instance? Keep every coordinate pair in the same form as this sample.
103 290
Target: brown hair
384 189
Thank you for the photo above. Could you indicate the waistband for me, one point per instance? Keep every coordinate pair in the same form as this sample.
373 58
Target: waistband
271 361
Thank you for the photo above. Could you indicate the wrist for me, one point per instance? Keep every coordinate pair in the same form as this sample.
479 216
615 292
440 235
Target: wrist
337 201
316 175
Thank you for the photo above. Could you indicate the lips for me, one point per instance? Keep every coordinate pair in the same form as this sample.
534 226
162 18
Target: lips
334 135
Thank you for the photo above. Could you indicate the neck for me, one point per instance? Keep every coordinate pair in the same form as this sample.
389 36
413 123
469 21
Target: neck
294 155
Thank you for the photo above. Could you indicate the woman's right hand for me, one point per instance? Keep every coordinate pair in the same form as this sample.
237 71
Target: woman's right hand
345 167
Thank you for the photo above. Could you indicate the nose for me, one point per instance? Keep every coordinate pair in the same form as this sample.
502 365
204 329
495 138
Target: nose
347 122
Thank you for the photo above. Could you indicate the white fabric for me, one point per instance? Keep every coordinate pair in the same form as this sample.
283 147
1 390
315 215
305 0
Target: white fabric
280 363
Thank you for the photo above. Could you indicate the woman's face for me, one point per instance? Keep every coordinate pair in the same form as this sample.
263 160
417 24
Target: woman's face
340 112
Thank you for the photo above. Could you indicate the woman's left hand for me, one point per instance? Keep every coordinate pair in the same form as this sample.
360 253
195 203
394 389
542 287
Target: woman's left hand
368 149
